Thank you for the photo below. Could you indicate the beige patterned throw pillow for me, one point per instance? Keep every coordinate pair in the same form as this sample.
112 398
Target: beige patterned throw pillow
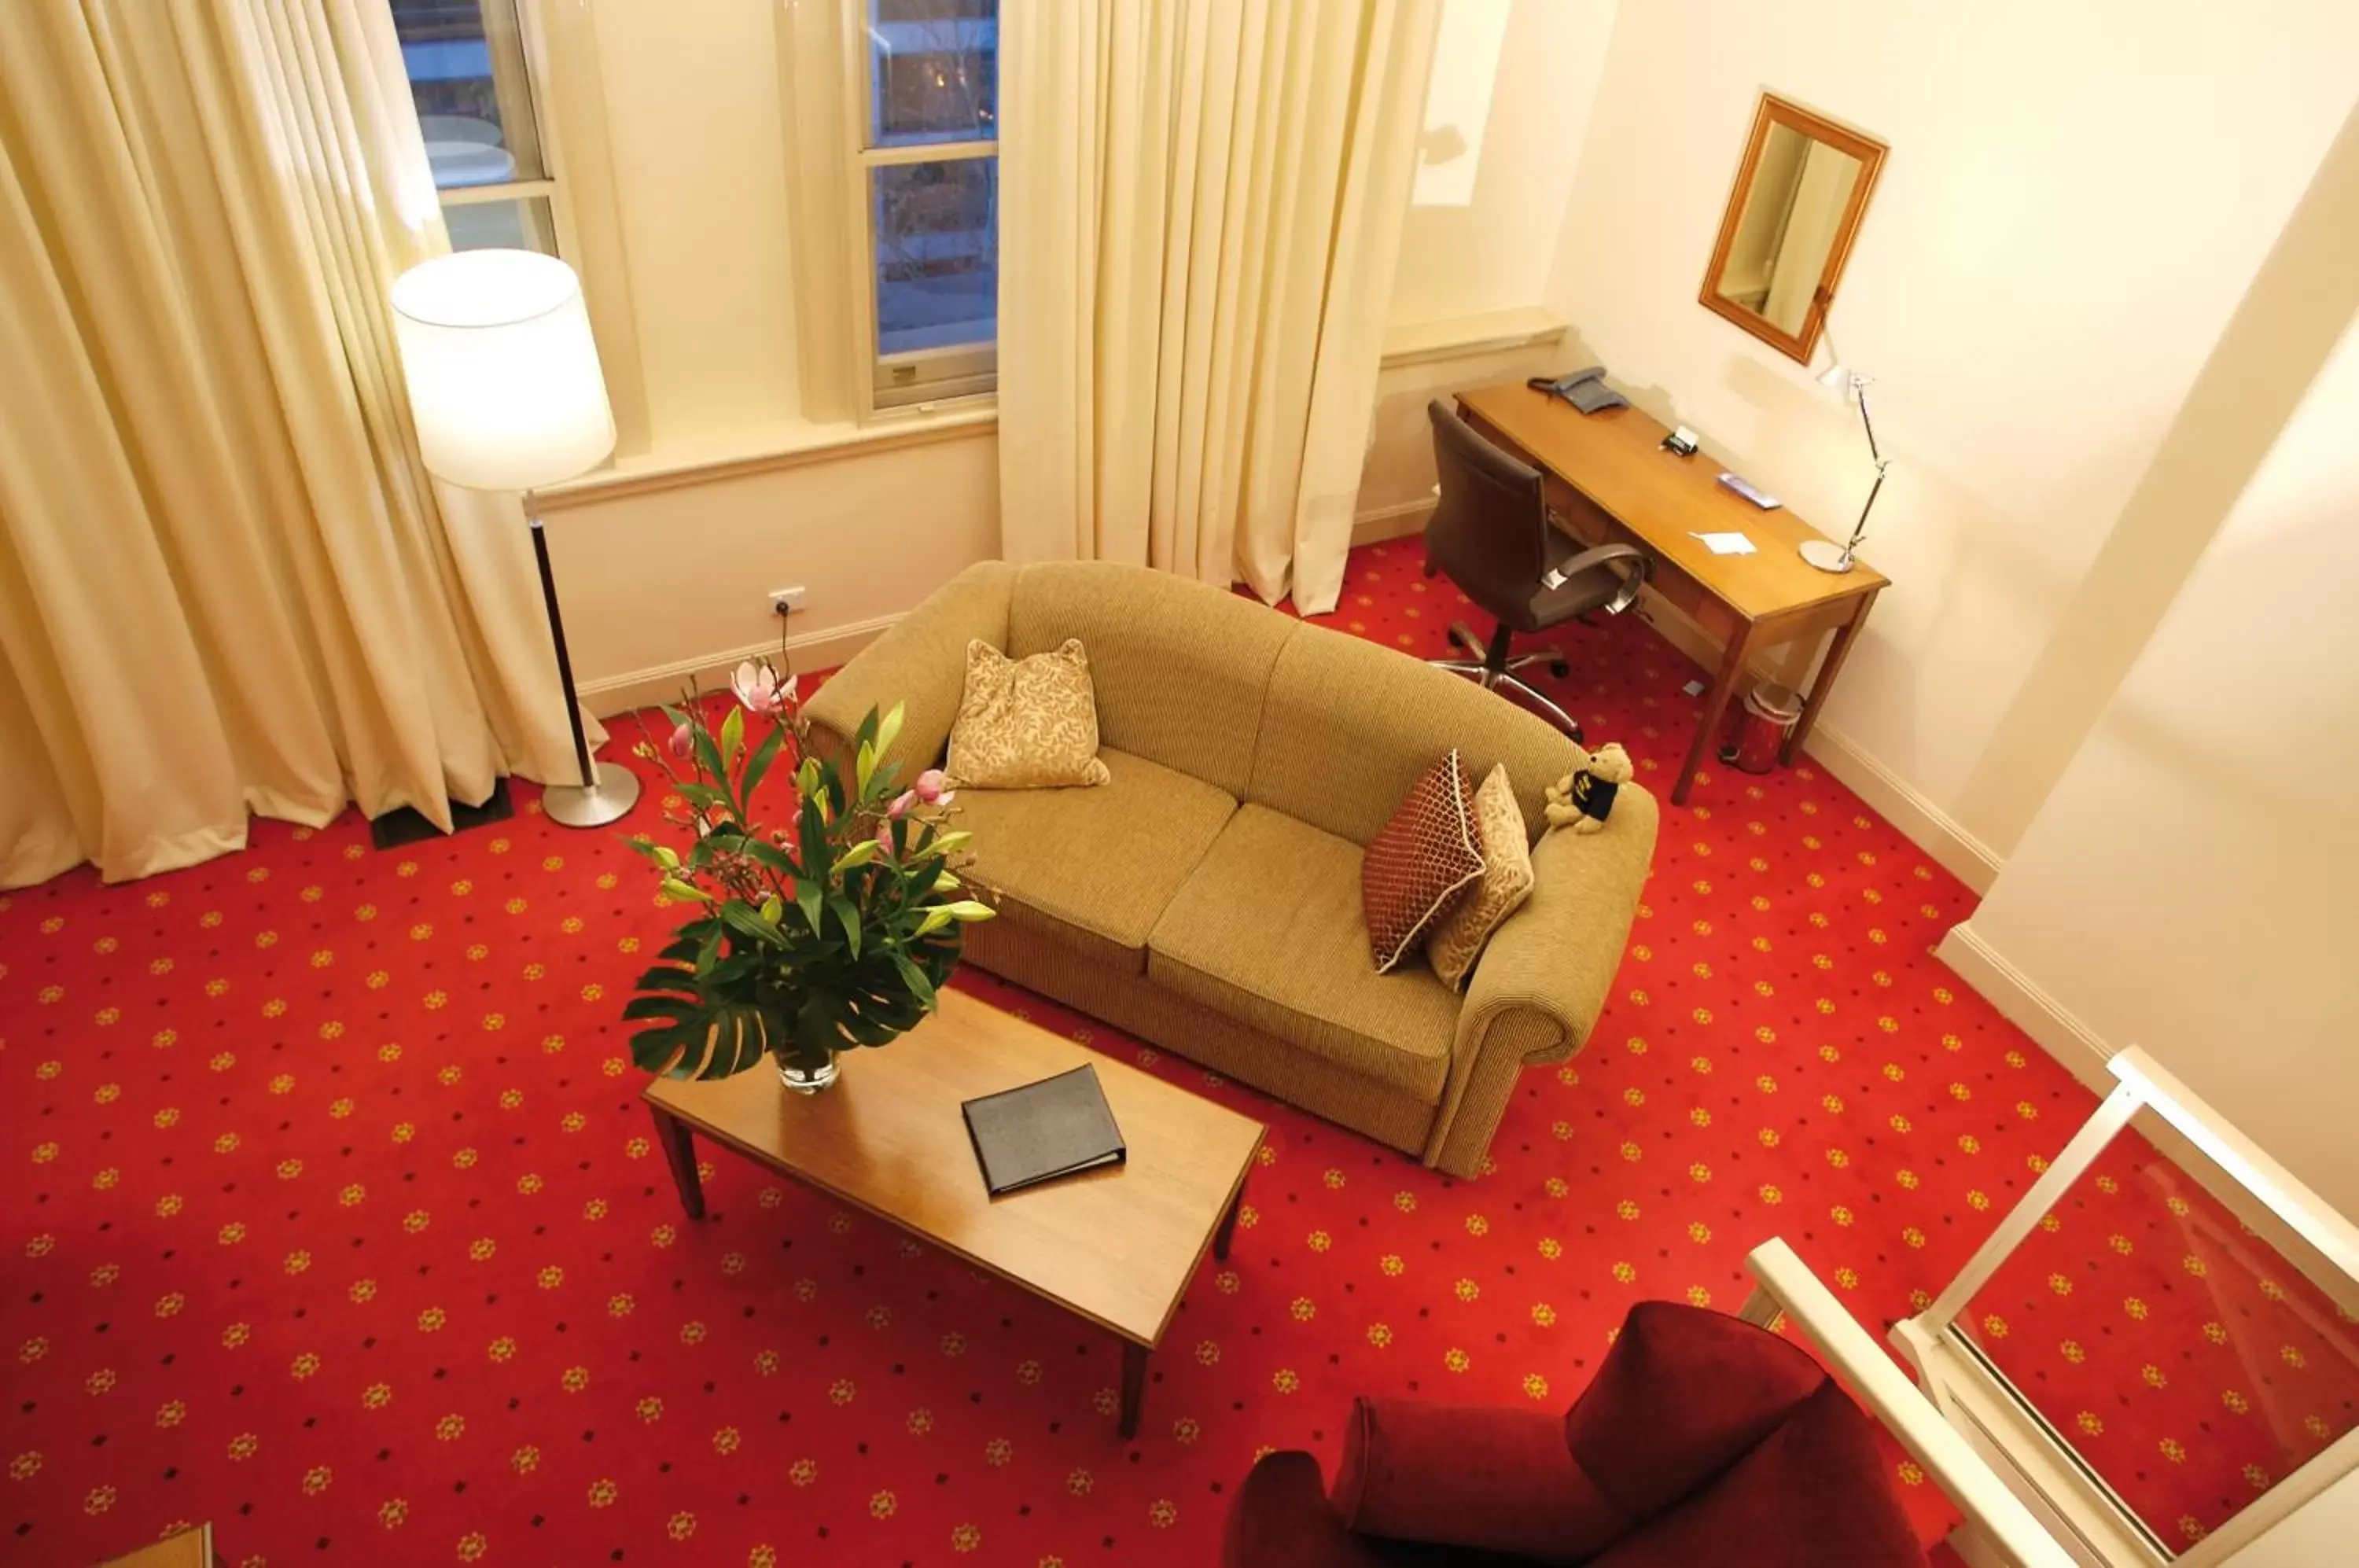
1025 723
1459 937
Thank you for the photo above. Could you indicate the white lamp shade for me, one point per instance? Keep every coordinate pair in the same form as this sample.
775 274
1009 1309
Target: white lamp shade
502 373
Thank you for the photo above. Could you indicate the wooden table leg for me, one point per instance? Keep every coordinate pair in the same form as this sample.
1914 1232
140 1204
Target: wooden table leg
1829 667
1134 1385
1715 709
680 1149
1228 1231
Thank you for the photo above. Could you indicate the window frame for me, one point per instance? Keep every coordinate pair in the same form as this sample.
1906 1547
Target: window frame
520 19
972 380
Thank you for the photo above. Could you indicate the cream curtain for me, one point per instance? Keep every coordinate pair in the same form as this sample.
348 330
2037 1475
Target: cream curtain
226 583
1200 202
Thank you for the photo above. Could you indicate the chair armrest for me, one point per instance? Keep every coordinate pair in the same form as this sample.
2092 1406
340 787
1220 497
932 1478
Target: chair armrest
1483 1478
1545 976
919 662
1280 1520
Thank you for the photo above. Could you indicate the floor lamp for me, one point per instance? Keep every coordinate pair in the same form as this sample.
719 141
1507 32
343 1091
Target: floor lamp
505 388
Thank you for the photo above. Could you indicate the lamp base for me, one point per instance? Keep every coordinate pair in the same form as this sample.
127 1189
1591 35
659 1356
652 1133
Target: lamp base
1826 555
577 806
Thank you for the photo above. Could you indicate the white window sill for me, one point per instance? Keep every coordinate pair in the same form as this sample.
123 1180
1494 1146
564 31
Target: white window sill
733 455
1459 337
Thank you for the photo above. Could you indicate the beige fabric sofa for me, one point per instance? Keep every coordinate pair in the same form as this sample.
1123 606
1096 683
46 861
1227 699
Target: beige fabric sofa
1208 899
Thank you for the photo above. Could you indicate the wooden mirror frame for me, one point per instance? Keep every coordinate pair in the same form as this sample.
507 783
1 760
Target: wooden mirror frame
1776 111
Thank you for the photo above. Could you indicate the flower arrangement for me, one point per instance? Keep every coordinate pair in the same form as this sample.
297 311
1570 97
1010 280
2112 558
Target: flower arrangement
836 932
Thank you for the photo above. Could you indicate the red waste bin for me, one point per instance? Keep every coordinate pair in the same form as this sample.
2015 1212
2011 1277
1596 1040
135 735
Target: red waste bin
1770 713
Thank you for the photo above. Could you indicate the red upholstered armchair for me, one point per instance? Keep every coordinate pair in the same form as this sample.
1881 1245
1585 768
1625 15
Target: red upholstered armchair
1702 1441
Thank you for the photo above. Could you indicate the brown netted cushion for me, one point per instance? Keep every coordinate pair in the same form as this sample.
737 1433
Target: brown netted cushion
1421 864
1458 937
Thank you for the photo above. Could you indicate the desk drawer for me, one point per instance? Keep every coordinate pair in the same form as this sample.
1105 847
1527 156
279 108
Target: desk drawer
1582 518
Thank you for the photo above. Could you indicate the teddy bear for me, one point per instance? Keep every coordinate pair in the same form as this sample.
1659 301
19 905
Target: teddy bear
1584 799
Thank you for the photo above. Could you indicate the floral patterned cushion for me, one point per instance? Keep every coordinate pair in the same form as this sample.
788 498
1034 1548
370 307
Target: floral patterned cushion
1420 864
1458 937
1025 723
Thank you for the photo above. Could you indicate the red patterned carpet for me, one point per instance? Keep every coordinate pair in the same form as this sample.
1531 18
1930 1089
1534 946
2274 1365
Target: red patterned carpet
334 1218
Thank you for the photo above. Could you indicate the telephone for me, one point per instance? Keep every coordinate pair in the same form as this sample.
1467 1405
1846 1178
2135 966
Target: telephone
1584 390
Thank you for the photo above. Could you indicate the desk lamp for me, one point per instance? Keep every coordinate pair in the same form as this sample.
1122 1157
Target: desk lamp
1825 554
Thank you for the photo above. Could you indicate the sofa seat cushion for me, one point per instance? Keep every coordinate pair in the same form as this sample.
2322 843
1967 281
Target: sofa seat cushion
1094 869
1269 930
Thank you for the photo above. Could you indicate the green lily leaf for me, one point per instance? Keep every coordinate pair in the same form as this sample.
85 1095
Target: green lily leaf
848 916
733 738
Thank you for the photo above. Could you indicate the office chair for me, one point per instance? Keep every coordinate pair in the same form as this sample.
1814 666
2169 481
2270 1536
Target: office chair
1491 533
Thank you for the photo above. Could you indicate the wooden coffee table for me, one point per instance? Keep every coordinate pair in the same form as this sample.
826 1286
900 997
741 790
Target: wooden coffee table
1116 1245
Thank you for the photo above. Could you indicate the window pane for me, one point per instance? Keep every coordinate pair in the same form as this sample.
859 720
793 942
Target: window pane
465 60
933 71
937 227
522 224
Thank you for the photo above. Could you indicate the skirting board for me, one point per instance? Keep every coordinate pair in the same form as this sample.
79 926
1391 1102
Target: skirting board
1891 797
826 650
2058 1032
1398 521
1926 826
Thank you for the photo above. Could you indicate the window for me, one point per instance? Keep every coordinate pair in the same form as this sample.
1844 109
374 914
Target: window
928 189
465 60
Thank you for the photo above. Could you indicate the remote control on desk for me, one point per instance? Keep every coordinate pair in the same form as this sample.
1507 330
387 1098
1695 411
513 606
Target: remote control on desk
1747 488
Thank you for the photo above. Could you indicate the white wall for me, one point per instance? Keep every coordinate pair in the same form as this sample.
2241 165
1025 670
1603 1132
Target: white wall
2189 884
1506 110
2075 201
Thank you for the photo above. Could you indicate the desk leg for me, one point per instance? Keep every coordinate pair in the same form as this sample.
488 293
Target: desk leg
1134 1386
1715 709
1831 666
680 1149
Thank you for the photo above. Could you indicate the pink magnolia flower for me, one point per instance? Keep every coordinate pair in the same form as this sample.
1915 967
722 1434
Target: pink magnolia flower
884 837
901 804
683 743
758 688
929 787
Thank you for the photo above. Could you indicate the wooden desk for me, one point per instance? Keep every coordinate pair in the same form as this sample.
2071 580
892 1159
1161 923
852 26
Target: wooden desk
1610 482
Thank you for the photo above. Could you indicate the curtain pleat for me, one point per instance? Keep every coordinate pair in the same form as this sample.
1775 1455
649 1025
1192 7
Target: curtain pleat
227 583
1201 204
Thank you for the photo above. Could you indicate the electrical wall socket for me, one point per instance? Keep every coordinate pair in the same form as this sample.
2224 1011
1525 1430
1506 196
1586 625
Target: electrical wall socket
787 601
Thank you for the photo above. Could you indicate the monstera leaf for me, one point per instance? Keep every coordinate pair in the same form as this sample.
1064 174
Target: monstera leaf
698 1033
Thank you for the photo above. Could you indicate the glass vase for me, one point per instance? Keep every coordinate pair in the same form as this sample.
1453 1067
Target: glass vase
807 1072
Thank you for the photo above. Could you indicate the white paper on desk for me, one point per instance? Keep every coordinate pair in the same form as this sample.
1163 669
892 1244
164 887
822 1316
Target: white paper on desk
1726 544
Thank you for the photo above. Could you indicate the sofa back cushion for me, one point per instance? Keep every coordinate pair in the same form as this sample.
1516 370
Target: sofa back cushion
1683 1393
1349 726
1812 1495
1181 668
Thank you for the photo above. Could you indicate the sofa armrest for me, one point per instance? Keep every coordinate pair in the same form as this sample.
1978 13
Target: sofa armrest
919 662
1545 976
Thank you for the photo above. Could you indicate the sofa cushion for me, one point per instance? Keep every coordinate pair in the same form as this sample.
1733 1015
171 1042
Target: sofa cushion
1180 667
1267 930
1423 865
1349 726
1094 869
1812 1495
1025 723
1457 939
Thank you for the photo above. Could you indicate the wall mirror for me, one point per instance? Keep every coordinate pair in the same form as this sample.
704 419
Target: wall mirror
1800 195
